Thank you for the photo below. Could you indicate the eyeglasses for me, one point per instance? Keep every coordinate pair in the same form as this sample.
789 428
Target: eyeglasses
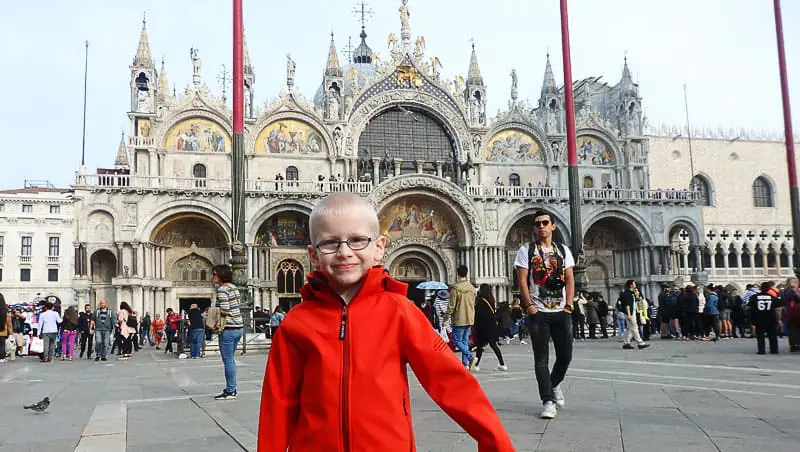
541 224
355 244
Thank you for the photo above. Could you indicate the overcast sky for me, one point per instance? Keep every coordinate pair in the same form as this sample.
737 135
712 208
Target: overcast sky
723 49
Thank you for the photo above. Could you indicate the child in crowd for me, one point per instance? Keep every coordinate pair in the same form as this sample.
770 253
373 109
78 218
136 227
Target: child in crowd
336 375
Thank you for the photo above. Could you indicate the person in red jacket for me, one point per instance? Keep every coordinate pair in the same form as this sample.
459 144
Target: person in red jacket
336 375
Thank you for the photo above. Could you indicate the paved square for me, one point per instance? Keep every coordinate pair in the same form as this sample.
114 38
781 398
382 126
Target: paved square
675 396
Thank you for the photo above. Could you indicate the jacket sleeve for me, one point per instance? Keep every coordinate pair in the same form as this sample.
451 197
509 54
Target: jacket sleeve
280 395
451 305
449 384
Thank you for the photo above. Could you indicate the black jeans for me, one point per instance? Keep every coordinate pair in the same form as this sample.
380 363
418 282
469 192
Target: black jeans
604 326
543 326
767 330
170 340
495 349
87 339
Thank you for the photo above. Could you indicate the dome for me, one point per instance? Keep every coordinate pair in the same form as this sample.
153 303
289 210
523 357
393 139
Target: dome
363 73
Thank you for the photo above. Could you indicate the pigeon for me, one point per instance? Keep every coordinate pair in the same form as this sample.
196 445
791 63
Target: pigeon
39 406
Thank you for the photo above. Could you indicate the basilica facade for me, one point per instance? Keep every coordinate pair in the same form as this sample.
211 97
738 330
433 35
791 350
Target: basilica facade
451 184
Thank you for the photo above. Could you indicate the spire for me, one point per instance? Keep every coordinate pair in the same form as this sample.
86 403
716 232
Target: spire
143 57
248 65
122 153
549 83
163 84
332 68
627 84
474 77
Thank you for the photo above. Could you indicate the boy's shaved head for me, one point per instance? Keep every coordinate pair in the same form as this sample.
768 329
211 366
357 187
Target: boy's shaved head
335 205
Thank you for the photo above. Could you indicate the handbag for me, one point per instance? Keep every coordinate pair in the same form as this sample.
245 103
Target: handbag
37 346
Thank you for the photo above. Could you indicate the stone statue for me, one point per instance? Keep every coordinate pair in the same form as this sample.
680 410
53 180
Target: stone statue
333 104
514 83
556 150
405 14
290 68
552 126
476 144
337 138
195 55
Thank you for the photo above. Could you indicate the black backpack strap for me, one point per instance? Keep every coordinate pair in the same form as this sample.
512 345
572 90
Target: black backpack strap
531 249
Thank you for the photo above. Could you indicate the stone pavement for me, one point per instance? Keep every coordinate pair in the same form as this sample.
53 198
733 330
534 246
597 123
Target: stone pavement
675 396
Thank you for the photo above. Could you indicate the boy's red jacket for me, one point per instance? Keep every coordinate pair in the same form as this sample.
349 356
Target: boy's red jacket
336 375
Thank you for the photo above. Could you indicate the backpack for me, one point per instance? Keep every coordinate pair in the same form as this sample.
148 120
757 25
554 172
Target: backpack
560 247
619 306
132 323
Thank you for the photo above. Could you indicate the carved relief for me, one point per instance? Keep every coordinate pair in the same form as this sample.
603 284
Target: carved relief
658 221
100 227
416 182
129 217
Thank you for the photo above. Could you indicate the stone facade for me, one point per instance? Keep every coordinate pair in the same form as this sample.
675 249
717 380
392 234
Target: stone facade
36 244
746 240
451 184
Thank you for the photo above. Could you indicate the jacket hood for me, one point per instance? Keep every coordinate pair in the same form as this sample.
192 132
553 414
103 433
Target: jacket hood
464 287
377 280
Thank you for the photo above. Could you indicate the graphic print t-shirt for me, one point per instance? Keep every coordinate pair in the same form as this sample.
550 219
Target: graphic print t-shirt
545 303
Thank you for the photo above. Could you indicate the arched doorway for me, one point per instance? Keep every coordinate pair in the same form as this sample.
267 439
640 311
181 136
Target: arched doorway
612 247
103 270
413 267
410 136
186 247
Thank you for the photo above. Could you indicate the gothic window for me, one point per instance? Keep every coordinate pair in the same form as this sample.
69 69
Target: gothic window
513 180
290 277
292 173
762 193
199 173
408 134
703 186
588 182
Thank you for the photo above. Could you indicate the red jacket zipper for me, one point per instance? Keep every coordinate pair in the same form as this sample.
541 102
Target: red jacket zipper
345 379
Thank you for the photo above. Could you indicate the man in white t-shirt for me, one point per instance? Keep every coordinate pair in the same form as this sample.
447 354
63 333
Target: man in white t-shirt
547 290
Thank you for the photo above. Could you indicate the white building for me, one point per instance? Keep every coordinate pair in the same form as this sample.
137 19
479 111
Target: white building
36 252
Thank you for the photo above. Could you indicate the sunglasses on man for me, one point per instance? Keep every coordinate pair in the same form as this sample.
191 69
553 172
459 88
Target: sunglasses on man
542 223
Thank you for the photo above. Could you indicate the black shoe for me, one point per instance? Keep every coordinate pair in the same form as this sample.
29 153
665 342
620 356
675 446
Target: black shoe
104 359
80 356
97 358
628 347
642 346
226 396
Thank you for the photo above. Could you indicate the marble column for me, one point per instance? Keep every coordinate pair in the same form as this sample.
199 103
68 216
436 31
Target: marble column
118 290
146 262
135 258
439 169
120 261
77 259
84 260
138 300
397 164
376 170
685 262
420 166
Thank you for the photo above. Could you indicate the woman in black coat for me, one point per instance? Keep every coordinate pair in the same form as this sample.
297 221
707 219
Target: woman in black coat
486 326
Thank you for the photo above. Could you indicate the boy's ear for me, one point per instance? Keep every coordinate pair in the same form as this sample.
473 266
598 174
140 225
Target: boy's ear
380 246
313 256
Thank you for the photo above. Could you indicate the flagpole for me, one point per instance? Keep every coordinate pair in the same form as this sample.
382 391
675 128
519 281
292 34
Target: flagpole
789 136
572 157
85 84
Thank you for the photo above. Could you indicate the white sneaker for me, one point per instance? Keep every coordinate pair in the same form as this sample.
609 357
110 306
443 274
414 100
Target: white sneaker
501 367
508 341
476 369
522 342
559 395
549 411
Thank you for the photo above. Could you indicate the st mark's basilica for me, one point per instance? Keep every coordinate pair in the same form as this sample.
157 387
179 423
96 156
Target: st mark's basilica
451 184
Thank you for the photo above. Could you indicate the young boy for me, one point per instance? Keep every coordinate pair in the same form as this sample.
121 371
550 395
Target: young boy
336 375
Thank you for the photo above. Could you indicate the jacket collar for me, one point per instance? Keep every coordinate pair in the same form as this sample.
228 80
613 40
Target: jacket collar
376 281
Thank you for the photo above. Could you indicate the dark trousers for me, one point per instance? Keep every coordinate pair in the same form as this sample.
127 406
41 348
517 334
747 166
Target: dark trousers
578 330
542 327
126 344
767 330
604 326
592 331
495 349
86 339
170 340
135 341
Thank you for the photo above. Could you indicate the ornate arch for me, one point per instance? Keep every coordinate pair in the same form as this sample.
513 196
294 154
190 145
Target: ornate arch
146 227
88 210
632 218
523 211
202 112
608 139
447 113
299 114
273 208
436 188
445 265
691 227
521 124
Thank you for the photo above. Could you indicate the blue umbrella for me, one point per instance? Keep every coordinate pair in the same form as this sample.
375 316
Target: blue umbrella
431 285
